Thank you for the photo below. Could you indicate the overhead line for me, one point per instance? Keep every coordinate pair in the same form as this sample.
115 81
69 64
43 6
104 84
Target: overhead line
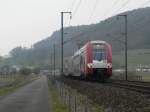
71 8
95 5
72 5
76 9
145 3
110 9
123 5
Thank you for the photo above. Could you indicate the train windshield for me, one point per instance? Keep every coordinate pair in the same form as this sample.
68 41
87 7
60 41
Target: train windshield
99 53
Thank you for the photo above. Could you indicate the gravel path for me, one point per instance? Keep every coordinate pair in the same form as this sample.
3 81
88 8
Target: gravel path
30 98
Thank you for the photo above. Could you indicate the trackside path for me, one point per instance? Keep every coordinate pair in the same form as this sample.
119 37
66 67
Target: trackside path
30 98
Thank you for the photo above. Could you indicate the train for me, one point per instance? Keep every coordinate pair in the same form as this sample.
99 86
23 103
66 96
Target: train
92 61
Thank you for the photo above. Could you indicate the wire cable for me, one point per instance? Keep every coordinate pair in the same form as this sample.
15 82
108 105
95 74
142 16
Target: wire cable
71 8
147 2
123 5
110 9
94 8
72 5
76 9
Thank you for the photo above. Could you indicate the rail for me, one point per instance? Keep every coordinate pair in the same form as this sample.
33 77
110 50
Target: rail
143 87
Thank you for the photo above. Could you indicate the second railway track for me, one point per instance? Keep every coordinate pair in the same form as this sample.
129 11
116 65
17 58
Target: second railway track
142 87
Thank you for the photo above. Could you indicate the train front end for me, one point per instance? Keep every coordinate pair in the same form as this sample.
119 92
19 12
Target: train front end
101 65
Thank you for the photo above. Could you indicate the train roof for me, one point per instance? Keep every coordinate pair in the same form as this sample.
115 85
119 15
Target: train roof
92 42
97 42
78 52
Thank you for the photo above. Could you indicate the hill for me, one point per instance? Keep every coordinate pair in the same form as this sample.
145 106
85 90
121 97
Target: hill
110 30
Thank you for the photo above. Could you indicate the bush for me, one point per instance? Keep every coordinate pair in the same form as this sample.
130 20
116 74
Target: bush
25 71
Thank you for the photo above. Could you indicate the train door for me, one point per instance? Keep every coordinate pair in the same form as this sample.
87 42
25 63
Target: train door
82 64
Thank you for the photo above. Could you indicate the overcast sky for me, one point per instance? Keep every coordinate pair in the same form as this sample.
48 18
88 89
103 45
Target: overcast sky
24 22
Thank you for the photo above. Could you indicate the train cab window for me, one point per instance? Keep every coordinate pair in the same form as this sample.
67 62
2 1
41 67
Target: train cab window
99 54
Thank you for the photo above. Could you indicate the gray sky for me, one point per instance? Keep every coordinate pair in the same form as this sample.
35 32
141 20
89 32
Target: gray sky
24 22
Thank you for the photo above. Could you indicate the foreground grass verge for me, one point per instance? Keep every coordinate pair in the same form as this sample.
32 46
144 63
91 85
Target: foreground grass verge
56 105
20 82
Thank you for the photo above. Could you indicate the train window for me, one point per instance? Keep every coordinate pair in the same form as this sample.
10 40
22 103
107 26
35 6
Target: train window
99 54
82 62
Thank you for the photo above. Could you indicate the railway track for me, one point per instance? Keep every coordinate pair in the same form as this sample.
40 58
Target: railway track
142 87
120 95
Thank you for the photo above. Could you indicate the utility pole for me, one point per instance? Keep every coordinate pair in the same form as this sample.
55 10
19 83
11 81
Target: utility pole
62 39
54 59
126 45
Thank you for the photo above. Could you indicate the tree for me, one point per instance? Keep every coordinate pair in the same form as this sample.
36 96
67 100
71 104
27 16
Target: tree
36 70
25 71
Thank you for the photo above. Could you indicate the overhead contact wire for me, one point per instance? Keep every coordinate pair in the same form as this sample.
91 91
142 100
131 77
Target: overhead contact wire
147 2
94 8
123 5
76 9
71 8
110 9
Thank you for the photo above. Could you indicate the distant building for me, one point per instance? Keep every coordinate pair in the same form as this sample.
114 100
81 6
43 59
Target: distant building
44 72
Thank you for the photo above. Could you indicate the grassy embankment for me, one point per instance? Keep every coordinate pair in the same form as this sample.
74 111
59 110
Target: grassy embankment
81 103
135 58
56 105
15 83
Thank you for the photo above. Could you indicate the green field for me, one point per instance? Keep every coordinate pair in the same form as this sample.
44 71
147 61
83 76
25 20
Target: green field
135 57
16 81
57 106
8 78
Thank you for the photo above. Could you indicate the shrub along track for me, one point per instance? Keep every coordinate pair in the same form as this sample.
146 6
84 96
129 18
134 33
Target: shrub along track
112 97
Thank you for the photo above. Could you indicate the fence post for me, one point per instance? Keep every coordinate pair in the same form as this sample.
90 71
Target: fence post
63 93
75 103
69 100
85 109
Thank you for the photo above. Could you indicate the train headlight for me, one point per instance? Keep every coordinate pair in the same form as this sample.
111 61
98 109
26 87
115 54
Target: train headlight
109 65
89 65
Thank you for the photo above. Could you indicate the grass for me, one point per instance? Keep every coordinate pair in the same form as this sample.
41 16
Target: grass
56 104
97 108
145 76
7 78
135 57
93 106
6 90
19 82
10 89
81 101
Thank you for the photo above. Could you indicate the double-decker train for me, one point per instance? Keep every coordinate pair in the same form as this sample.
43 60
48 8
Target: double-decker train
92 61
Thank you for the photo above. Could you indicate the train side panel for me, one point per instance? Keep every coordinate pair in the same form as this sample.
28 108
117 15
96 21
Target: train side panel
109 59
88 59
83 64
